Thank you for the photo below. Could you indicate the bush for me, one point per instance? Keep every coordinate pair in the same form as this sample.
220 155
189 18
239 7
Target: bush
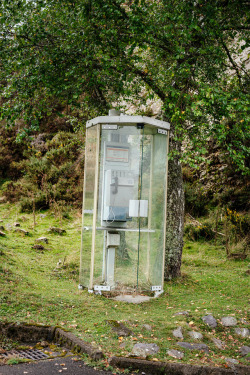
196 201
12 191
52 170
239 224
41 202
200 232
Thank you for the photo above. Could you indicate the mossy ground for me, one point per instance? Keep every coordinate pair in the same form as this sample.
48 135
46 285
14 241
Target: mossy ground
34 289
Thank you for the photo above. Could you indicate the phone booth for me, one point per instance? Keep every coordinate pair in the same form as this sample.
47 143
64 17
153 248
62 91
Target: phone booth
124 204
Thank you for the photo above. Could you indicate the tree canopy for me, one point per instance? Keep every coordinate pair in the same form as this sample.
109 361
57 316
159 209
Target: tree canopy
87 54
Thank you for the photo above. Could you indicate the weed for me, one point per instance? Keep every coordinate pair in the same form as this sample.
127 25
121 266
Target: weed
16 361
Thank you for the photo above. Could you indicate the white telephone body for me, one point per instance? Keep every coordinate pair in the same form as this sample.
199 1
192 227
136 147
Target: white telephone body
119 185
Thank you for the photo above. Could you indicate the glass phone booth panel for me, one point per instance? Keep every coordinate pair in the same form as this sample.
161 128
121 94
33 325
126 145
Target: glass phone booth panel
124 211
91 157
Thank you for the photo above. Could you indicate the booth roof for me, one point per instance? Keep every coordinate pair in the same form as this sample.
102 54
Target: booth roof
128 120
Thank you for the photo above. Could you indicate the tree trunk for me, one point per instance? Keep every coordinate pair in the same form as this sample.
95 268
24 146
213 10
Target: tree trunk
175 216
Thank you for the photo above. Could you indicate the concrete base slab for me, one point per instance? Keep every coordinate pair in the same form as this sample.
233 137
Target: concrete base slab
132 299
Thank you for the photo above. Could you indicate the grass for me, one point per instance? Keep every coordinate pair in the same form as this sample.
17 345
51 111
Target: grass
34 289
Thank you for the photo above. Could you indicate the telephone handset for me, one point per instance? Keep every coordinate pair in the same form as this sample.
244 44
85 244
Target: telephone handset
119 186
114 184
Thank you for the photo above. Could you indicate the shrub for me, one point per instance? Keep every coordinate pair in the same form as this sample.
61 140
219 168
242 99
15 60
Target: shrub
239 224
12 191
199 232
41 202
52 170
196 201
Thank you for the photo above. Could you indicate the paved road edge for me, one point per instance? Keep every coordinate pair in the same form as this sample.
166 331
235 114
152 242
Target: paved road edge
25 332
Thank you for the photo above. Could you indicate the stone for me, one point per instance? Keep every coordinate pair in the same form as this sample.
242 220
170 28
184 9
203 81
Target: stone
232 361
16 224
57 230
210 321
44 344
144 350
22 231
38 247
119 328
178 333
175 353
244 350
243 332
2 227
2 234
244 321
218 343
195 335
181 313
39 143
42 216
148 327
42 239
3 200
228 321
69 341
192 346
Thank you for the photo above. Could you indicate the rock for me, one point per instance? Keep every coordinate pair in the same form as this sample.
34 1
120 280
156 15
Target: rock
57 230
1 221
2 227
192 346
16 224
244 350
144 350
24 232
119 328
228 321
195 335
218 343
44 344
2 234
148 327
42 239
231 361
244 321
243 332
122 345
38 247
178 333
39 143
3 200
175 353
210 321
42 216
181 313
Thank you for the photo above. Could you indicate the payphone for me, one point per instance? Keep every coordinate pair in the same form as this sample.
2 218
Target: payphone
119 183
124 210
